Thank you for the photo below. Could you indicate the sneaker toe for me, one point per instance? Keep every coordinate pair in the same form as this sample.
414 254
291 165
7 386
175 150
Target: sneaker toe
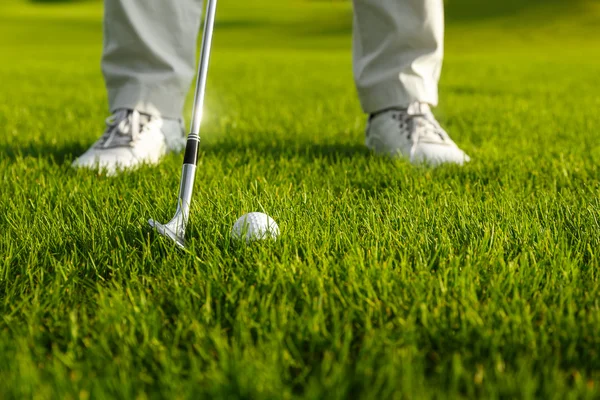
437 154
109 161
175 138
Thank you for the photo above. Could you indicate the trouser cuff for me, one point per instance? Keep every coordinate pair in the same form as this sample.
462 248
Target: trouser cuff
394 94
160 101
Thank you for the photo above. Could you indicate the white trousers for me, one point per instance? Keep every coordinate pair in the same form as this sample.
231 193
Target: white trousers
149 50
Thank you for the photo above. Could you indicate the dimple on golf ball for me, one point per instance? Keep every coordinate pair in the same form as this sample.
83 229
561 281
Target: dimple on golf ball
255 226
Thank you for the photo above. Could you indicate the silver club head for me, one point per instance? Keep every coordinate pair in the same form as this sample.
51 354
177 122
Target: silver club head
175 230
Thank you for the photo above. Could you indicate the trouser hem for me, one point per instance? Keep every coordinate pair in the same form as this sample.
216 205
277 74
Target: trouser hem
387 95
164 102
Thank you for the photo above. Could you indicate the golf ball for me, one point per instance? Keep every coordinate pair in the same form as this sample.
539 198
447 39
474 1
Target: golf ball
255 226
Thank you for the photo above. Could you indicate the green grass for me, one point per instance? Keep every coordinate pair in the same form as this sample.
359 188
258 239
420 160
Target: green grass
389 281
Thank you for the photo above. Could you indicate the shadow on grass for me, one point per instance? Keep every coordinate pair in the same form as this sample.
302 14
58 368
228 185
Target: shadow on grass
58 154
281 149
476 10
285 149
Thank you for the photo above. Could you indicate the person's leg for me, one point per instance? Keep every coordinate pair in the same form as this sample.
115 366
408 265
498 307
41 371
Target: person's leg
149 54
148 65
398 51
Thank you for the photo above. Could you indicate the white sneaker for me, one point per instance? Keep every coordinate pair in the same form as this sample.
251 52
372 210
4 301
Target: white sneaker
412 133
130 139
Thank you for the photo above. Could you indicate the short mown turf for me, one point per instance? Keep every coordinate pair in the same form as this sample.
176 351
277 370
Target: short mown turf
388 281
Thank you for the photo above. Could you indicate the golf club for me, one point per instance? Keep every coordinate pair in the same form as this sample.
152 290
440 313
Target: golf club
175 229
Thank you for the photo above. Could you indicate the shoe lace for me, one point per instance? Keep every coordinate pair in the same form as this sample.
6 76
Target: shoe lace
418 121
123 129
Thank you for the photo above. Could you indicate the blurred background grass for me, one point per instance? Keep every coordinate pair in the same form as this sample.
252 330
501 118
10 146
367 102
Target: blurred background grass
518 42
533 26
33 34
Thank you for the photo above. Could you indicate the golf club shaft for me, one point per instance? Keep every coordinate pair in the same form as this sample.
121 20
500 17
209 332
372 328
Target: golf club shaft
191 149
175 228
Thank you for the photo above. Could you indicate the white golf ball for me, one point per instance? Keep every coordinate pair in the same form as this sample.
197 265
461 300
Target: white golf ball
255 226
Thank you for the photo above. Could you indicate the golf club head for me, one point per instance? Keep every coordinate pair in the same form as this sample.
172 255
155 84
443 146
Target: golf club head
174 230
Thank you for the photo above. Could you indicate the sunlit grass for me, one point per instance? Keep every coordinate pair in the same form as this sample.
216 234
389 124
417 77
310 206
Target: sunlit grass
387 281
